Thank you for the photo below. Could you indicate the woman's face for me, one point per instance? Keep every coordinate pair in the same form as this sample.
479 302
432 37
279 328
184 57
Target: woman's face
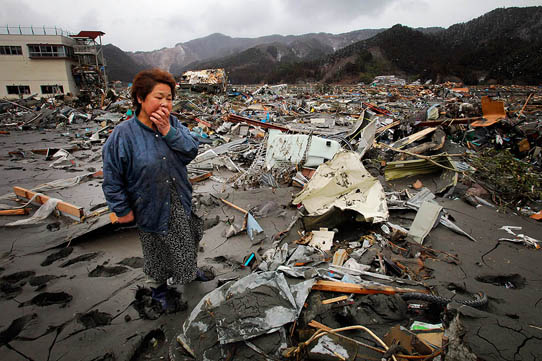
158 97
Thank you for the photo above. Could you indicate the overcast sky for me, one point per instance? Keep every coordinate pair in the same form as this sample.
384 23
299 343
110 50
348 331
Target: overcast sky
147 25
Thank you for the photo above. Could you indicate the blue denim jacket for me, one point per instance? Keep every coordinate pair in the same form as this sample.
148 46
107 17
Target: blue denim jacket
139 163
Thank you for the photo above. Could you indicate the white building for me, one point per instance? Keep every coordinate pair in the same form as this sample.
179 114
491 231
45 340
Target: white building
43 61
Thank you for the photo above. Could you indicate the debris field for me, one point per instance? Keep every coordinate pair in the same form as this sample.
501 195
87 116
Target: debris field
385 221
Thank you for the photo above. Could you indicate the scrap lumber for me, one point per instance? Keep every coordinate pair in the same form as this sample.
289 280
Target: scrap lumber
318 325
200 177
412 138
233 118
386 127
14 212
63 207
525 105
207 124
234 206
334 299
48 152
376 109
362 289
447 121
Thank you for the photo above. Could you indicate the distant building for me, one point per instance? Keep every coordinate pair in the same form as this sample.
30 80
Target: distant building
49 61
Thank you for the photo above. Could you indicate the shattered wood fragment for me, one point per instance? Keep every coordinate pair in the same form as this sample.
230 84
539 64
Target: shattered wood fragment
376 109
239 119
448 122
386 127
318 325
412 138
525 105
343 287
201 177
14 212
63 207
335 299
234 206
207 124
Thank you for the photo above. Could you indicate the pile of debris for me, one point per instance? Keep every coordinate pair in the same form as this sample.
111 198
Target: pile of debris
360 177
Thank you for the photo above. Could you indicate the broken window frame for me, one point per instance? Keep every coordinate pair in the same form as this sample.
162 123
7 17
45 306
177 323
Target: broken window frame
52 89
50 51
11 50
18 89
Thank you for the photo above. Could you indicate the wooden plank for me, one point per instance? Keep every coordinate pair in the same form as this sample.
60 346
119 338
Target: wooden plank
234 206
524 105
447 122
233 118
207 124
14 212
65 208
342 287
334 299
386 127
318 325
412 138
201 177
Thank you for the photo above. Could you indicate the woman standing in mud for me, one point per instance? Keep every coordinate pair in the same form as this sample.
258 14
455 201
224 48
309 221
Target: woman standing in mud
146 181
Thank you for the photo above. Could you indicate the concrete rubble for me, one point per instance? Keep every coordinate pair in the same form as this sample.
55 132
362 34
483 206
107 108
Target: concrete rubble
382 221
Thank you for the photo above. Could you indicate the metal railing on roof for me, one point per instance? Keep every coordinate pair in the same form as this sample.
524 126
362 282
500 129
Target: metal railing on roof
33 30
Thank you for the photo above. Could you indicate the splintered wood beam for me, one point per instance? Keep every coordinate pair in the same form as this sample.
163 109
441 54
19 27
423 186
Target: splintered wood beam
234 206
319 325
412 138
386 127
201 177
65 208
14 212
335 299
342 287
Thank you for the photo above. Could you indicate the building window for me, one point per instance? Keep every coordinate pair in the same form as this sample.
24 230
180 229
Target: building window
50 51
52 89
18 89
11 50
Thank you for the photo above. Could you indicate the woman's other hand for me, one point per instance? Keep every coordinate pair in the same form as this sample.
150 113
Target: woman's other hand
127 218
160 118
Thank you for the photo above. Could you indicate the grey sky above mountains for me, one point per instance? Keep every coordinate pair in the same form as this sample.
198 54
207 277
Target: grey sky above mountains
148 25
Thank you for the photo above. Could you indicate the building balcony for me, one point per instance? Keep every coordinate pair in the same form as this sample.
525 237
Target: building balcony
85 49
